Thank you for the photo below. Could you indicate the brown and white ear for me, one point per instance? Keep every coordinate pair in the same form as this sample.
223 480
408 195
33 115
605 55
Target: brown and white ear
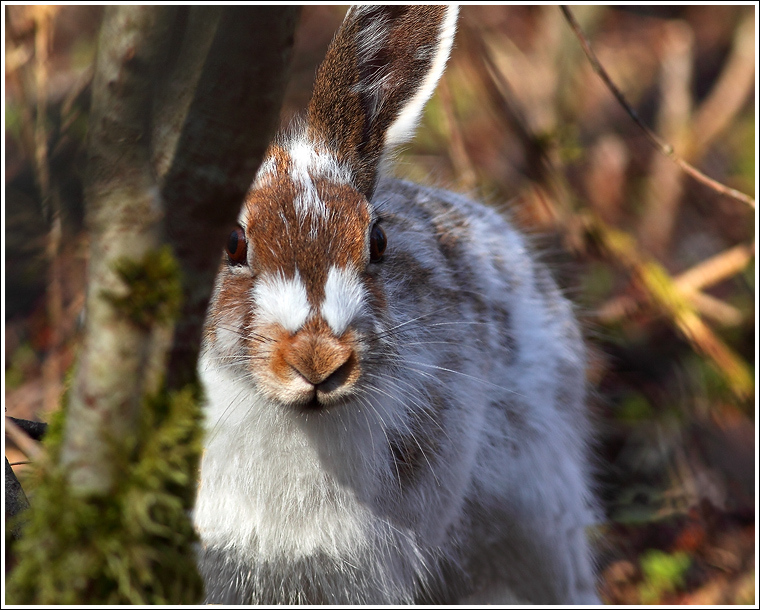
380 70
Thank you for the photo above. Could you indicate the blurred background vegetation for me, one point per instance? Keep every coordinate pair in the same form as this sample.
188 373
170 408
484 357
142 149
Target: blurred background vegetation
660 266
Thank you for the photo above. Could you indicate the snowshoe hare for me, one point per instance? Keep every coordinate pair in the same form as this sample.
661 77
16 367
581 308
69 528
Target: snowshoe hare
395 385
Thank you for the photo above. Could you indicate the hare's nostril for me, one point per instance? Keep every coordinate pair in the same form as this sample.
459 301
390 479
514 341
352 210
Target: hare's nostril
340 376
326 369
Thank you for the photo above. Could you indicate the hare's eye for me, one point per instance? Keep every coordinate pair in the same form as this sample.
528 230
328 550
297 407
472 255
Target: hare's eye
237 248
377 243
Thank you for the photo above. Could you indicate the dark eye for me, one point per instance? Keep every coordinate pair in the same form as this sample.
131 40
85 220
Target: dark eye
237 248
377 243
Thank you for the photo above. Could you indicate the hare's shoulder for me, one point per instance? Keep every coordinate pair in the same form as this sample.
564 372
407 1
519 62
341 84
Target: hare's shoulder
471 242
469 248
443 209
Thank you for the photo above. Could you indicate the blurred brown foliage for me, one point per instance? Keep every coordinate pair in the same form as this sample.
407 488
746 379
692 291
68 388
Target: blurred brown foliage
661 266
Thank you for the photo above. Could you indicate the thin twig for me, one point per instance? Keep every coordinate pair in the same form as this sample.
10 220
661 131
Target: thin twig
23 441
716 268
656 141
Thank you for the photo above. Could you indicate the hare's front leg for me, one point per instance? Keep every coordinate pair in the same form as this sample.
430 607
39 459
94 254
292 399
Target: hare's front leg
528 510
539 563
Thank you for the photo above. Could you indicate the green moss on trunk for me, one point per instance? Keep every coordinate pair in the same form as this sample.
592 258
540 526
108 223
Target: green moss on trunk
154 288
132 547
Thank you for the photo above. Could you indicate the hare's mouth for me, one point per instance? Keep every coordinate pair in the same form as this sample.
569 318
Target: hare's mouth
306 396
313 404
331 393
316 404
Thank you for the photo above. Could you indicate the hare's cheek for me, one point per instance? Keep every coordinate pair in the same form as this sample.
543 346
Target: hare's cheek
377 300
229 337
230 317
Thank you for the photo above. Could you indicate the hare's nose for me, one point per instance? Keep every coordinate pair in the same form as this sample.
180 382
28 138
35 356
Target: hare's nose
324 362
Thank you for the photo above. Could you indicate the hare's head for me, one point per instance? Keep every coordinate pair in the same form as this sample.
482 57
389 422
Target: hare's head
299 306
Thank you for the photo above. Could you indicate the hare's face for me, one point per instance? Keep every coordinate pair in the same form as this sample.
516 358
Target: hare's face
299 308
298 299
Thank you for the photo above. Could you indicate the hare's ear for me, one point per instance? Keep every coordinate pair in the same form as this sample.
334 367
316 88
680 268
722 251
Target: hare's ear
380 70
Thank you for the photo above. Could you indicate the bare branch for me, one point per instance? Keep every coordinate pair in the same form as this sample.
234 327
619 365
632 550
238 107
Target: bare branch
23 441
663 187
717 268
719 311
656 141
727 96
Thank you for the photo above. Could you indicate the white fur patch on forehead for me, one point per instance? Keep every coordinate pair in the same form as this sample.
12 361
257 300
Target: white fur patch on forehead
306 164
402 129
282 301
345 297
